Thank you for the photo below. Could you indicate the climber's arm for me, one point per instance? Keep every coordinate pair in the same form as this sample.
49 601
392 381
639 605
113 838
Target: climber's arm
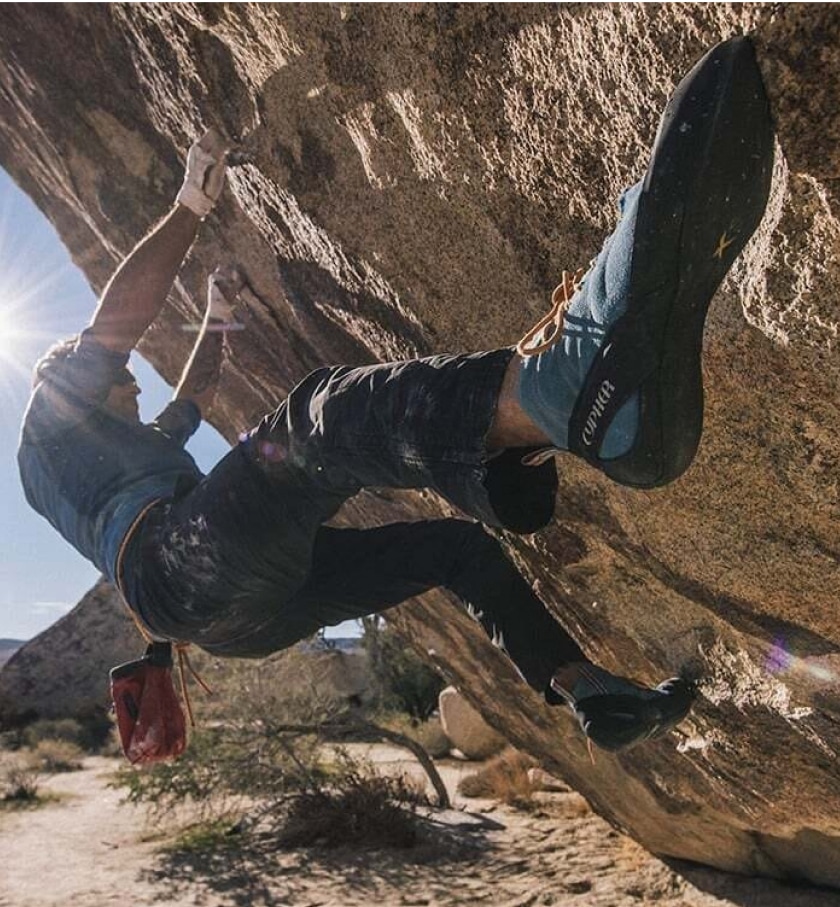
200 378
137 292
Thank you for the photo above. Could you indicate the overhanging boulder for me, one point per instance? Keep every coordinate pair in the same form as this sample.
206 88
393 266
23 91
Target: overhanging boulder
419 177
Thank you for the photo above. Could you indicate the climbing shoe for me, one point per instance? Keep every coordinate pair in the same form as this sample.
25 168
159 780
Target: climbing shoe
616 713
702 198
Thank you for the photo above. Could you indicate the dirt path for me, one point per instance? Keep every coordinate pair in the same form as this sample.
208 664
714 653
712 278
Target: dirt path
87 850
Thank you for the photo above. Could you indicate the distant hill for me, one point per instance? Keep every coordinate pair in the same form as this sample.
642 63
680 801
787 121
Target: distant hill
8 647
338 643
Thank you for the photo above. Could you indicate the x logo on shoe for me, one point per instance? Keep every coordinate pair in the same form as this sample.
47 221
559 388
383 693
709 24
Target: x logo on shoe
723 244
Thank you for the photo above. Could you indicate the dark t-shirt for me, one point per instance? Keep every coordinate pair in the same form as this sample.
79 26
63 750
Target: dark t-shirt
89 472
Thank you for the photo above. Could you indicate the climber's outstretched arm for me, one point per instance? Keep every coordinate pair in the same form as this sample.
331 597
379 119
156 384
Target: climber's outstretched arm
136 293
201 374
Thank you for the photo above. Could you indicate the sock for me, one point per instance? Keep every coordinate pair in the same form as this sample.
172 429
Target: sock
549 383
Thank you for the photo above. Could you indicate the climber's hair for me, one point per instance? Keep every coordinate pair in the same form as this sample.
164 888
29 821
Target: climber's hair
54 356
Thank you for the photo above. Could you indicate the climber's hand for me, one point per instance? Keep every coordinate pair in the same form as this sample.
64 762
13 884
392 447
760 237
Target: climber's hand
205 175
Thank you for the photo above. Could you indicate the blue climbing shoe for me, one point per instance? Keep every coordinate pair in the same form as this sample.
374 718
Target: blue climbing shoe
703 196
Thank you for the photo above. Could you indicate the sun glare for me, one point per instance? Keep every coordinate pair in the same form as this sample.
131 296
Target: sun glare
20 336
14 334
27 329
42 298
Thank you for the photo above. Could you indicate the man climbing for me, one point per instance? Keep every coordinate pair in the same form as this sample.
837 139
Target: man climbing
240 562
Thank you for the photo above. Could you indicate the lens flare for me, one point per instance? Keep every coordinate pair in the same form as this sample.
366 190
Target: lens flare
816 669
779 659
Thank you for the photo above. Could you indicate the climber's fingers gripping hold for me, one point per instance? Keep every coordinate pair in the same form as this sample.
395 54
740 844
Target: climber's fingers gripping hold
205 173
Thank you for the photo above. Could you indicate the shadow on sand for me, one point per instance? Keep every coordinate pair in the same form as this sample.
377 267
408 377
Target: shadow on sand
254 869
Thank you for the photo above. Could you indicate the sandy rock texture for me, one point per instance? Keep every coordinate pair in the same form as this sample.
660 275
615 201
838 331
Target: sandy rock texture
466 729
64 671
418 177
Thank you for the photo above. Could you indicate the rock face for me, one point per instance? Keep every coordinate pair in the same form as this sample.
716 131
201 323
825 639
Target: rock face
419 176
463 725
326 675
64 670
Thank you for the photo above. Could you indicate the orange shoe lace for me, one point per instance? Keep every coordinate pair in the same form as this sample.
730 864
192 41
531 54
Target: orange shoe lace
534 343
184 661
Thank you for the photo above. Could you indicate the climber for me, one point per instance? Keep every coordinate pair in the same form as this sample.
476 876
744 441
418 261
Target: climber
240 562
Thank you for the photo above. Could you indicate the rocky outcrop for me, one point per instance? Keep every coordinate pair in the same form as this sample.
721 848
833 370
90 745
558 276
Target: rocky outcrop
63 672
468 732
325 675
419 175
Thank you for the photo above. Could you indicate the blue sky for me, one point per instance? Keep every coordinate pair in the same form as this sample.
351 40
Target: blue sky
43 298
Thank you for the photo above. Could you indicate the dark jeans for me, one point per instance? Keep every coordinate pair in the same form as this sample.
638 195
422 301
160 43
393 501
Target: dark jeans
242 564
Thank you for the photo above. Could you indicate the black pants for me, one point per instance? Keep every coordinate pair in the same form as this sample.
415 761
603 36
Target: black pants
242 565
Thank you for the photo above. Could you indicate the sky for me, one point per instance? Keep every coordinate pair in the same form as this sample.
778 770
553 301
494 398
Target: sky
44 298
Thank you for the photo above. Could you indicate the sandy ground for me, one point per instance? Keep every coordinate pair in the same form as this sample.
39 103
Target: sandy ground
87 850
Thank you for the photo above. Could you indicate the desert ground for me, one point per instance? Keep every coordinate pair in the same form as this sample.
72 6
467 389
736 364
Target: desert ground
87 849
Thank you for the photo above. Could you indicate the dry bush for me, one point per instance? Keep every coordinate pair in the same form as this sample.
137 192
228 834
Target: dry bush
504 778
262 765
89 731
284 785
429 734
52 756
19 785
360 808
66 729
573 806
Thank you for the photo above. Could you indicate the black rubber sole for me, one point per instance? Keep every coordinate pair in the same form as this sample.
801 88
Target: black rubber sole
703 197
617 722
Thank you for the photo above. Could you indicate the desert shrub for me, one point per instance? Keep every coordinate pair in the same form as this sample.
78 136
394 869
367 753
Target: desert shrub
18 785
89 731
359 808
65 729
263 765
206 777
11 740
51 756
504 778
291 789
404 680
97 726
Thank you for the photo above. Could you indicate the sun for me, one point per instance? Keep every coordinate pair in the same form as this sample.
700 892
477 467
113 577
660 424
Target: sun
26 333
20 336
14 332
43 298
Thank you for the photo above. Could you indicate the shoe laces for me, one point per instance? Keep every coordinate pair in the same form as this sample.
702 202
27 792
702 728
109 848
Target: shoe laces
548 330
